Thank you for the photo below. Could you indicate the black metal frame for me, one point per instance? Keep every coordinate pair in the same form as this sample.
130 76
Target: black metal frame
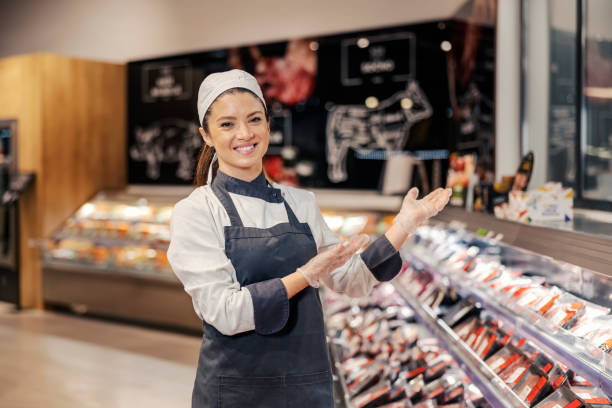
579 200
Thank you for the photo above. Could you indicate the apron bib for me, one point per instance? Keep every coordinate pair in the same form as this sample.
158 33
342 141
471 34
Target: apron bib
289 368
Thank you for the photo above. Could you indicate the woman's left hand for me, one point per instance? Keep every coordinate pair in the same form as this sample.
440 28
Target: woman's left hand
414 212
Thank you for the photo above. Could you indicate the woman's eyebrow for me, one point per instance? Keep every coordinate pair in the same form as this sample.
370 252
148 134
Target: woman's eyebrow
255 112
225 118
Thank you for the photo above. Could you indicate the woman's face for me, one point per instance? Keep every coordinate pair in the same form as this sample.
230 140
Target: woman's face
239 132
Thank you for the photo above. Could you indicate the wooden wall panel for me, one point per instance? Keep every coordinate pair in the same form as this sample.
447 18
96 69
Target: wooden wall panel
20 99
72 134
84 111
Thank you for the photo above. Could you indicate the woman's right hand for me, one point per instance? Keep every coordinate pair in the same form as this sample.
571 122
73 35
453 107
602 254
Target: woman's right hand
325 262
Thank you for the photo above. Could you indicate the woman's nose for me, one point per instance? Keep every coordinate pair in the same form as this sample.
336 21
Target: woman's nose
243 131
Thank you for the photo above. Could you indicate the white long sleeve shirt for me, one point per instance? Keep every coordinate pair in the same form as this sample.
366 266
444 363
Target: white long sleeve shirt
197 253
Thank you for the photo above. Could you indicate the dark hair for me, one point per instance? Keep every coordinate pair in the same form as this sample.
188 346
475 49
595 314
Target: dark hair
206 156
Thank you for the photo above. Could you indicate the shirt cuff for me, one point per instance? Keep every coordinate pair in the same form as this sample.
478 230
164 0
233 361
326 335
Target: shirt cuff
382 259
270 304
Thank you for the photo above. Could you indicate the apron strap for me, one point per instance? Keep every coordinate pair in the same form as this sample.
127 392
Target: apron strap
228 204
290 215
230 208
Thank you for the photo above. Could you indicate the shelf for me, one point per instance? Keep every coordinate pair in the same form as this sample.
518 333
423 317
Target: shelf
110 271
340 388
537 331
113 242
495 391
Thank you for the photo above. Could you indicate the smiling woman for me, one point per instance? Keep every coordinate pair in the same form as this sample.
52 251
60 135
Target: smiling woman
251 253
237 127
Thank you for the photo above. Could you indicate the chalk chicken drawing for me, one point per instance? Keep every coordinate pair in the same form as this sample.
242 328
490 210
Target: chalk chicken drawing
167 141
385 127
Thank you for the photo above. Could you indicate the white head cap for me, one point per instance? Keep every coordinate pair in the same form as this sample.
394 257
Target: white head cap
215 84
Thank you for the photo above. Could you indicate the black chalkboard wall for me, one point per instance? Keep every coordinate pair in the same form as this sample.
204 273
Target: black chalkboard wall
339 102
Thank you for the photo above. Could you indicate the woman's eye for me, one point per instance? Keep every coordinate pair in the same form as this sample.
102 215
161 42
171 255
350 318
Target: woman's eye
226 124
256 119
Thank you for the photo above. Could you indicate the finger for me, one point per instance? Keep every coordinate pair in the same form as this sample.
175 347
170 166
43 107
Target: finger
354 243
413 193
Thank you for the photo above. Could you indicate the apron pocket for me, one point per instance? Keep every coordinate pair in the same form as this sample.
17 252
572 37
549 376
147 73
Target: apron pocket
251 392
310 390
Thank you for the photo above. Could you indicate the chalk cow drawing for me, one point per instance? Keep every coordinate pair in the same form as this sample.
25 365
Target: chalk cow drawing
167 141
385 127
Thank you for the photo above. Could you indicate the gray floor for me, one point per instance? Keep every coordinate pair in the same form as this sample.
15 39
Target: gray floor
56 360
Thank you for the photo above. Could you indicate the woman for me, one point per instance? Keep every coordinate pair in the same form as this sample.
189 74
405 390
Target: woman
250 253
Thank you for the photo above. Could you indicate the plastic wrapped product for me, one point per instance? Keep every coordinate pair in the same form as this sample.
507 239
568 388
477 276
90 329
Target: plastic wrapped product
539 297
512 374
398 404
438 367
414 388
503 358
475 335
558 376
546 300
487 344
426 404
434 391
464 328
533 386
543 362
374 397
365 381
566 311
594 317
562 398
460 311
591 395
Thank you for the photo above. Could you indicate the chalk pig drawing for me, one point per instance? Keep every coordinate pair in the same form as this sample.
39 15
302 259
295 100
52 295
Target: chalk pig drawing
167 141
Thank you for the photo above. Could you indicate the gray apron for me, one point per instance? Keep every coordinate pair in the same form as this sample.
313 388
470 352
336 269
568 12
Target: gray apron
289 368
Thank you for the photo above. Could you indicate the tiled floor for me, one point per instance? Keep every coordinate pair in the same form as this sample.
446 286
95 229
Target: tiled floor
57 360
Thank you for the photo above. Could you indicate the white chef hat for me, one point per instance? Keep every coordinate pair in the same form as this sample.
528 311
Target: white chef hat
215 84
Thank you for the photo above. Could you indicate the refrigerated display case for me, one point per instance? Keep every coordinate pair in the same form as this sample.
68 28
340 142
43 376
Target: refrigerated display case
109 258
554 317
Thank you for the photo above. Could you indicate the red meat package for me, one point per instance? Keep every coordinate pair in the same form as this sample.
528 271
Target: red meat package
374 396
464 329
398 404
545 300
503 358
512 374
487 344
562 398
533 386
591 395
566 311
558 376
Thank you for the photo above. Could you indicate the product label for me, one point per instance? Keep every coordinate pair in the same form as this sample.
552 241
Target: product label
516 375
525 392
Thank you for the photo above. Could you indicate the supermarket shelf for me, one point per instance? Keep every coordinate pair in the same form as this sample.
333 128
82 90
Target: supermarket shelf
341 394
589 251
495 391
113 242
106 270
543 337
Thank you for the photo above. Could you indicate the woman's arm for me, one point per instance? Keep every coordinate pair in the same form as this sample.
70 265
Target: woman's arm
198 259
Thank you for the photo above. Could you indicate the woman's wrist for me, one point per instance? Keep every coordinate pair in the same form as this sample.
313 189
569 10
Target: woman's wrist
294 283
397 235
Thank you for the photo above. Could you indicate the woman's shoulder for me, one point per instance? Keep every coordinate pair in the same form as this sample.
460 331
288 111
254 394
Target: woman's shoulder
297 194
196 203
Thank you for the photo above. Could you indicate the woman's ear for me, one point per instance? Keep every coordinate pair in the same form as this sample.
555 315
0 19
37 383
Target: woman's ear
206 137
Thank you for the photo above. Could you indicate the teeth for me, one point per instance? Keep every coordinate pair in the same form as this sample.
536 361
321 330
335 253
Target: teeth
245 148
